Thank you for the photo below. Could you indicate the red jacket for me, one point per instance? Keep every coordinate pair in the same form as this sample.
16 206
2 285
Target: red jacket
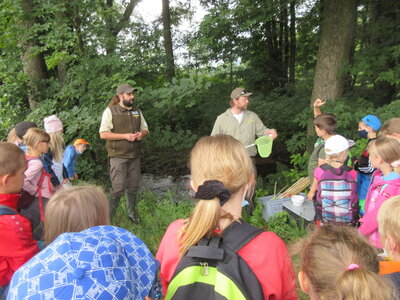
17 245
266 255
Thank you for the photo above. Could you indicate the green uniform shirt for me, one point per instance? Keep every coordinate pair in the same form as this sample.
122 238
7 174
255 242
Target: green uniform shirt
246 132
319 152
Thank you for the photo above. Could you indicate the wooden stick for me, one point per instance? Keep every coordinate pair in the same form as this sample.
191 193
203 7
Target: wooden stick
296 188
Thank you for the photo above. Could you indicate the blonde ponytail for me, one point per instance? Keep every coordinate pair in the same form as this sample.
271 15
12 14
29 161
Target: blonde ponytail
202 223
219 158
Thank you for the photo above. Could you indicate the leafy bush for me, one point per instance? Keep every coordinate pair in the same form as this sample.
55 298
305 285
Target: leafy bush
286 227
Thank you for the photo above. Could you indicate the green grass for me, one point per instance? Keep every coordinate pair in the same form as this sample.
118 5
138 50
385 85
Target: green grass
156 213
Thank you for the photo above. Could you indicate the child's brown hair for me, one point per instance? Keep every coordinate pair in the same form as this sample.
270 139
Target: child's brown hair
326 122
75 209
12 158
326 256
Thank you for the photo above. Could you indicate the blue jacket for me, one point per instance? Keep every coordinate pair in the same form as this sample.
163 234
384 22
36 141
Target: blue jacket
69 160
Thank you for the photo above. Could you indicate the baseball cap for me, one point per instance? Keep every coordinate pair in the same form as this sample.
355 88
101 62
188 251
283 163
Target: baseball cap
372 121
22 127
125 88
102 262
236 93
80 141
336 144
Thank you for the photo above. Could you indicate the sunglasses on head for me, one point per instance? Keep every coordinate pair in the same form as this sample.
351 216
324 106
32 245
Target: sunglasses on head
241 93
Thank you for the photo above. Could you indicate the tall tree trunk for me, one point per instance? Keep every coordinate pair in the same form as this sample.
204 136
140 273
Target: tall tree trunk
33 61
292 57
169 53
334 48
285 41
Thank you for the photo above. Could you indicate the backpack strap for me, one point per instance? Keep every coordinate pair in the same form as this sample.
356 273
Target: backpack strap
343 168
235 236
39 188
207 248
5 210
238 234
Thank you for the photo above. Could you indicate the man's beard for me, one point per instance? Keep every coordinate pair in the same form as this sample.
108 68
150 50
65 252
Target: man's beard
127 103
243 107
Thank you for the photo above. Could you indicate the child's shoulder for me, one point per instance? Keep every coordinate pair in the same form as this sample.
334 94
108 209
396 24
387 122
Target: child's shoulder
33 161
15 225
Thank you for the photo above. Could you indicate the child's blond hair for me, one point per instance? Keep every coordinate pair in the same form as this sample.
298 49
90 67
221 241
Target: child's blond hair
326 255
75 209
390 127
12 158
219 157
57 145
34 136
388 149
389 219
12 137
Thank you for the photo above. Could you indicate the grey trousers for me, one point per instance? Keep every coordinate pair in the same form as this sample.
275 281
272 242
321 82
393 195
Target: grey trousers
124 175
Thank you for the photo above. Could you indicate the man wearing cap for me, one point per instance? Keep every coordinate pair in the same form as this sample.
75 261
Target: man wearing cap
123 126
244 125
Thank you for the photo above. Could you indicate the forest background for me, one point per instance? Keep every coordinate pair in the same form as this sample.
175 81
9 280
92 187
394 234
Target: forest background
67 58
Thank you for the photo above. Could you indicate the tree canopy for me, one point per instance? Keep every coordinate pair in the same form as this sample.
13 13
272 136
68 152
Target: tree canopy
67 57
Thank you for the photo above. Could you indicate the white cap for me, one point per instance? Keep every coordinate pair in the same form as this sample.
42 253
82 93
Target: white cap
336 144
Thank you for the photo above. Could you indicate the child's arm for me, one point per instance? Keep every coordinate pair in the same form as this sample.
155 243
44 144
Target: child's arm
317 107
313 190
69 162
370 219
32 176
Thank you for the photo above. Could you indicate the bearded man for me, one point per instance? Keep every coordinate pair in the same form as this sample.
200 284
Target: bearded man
244 125
123 126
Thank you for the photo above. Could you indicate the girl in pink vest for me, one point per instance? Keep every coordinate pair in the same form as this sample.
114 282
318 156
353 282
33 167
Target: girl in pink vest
385 183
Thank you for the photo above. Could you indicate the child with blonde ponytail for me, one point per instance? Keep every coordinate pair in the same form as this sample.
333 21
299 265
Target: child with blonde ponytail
53 159
338 264
222 175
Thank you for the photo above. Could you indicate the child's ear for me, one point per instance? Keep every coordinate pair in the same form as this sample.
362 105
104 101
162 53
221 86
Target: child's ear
4 179
369 128
304 282
391 244
193 186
